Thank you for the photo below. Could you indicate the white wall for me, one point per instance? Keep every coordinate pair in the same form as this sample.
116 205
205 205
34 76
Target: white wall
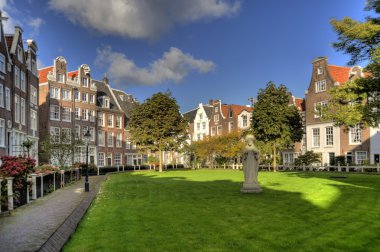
197 120
375 143
240 119
323 148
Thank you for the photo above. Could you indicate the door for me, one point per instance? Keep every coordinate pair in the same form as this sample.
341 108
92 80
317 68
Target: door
377 158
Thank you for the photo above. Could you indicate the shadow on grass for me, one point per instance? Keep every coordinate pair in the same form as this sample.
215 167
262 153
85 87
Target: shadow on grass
204 210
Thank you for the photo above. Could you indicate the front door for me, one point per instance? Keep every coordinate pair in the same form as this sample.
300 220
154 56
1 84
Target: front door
377 158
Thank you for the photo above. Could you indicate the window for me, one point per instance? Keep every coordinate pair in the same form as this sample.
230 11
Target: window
66 135
55 132
92 132
200 116
361 157
77 114
329 136
8 99
76 95
54 112
100 159
219 130
34 67
92 98
2 132
198 126
117 158
110 121
349 157
23 111
216 109
315 140
60 78
84 97
77 132
2 63
212 131
101 119
84 114
54 92
106 103
66 114
231 114
33 95
23 81
84 131
20 54
84 82
17 77
101 137
66 94
127 143
17 108
118 122
355 135
198 137
33 120
118 139
318 108
216 118
244 121
204 125
320 86
92 115
1 95
319 70
110 139
231 126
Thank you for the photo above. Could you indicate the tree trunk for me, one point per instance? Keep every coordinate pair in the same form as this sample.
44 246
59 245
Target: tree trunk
161 158
274 158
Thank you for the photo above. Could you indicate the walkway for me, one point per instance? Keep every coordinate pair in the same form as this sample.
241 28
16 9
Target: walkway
47 223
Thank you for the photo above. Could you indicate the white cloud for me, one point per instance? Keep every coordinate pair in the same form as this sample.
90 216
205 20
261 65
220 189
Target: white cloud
10 23
142 19
35 24
174 65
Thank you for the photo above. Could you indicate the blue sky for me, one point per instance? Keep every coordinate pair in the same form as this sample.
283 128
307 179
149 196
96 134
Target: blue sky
197 49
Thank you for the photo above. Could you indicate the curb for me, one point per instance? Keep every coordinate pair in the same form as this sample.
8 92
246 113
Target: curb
58 239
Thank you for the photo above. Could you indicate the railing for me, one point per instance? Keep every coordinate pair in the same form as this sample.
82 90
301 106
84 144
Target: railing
35 186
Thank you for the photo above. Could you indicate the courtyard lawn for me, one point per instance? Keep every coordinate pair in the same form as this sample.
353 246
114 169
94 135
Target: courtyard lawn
203 210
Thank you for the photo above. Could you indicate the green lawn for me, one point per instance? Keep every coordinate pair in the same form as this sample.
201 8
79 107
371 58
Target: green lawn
204 210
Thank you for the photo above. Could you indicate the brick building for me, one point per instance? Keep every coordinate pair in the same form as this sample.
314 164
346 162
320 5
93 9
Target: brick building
322 136
18 94
68 103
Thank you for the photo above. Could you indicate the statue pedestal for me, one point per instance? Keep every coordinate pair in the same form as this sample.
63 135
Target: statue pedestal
250 188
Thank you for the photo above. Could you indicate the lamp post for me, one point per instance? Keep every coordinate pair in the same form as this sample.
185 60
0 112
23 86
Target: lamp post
87 138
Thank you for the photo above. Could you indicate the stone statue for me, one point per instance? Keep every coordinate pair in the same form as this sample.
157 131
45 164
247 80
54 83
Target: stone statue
250 166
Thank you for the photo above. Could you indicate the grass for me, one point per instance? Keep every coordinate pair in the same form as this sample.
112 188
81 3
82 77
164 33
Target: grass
204 210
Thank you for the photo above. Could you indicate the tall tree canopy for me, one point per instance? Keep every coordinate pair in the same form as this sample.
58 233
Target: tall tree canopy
273 120
361 40
158 125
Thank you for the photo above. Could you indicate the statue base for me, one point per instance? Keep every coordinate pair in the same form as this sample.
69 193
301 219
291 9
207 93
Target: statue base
251 188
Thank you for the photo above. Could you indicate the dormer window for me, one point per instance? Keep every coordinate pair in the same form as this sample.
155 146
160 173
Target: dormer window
84 82
216 109
19 54
106 102
319 70
230 113
60 78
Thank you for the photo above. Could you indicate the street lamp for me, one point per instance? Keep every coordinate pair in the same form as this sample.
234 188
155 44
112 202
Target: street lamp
87 139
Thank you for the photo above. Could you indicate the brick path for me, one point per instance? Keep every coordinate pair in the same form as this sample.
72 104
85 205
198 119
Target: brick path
47 222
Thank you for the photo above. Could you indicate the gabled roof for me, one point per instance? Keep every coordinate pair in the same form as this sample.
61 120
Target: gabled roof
73 74
339 73
190 115
126 105
9 38
208 109
237 109
224 110
300 104
43 72
104 90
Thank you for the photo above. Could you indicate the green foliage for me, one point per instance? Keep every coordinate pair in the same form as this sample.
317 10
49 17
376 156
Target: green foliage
158 125
308 158
361 40
274 122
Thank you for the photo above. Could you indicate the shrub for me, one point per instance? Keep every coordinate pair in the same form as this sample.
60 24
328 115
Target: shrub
46 168
308 158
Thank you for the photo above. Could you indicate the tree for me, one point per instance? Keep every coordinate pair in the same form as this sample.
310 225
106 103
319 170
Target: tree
158 125
60 147
361 40
274 121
